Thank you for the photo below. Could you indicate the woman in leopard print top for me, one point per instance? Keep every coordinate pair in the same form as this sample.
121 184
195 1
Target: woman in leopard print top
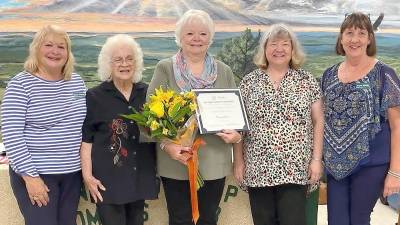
282 152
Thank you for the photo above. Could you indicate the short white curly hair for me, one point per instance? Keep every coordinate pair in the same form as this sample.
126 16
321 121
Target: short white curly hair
106 54
188 17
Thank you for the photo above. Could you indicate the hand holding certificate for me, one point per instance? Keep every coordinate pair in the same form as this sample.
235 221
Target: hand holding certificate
220 109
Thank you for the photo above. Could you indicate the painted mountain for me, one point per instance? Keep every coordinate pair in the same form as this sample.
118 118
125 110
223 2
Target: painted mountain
160 14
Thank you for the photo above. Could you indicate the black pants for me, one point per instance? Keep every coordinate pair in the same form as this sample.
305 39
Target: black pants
283 204
177 195
64 196
124 214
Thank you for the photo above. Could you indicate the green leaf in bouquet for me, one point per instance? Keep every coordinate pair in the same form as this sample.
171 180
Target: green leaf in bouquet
156 133
139 118
174 110
164 123
199 181
181 114
171 127
146 113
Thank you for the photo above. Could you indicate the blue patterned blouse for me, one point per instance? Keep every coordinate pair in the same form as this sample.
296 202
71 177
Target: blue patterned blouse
356 125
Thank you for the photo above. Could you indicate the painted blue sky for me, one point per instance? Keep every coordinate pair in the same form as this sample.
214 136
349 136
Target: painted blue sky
7 4
311 12
165 7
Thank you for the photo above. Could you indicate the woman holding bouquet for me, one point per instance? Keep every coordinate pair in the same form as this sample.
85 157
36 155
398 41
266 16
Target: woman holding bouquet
193 67
283 151
119 172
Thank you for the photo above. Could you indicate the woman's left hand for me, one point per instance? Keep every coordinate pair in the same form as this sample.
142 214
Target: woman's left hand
229 136
314 171
392 185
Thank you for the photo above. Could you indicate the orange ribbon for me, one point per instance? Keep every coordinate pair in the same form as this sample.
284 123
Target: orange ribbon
193 168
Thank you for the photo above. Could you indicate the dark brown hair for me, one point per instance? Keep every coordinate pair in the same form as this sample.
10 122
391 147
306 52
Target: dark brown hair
361 21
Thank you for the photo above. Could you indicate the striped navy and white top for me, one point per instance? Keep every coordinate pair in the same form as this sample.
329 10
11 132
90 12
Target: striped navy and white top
41 124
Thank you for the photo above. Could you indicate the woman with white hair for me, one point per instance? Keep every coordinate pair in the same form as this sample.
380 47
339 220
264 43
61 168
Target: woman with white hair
119 171
193 67
282 152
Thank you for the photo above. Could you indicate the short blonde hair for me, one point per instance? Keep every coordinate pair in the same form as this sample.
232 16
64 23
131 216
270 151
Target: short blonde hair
32 63
106 54
280 31
190 16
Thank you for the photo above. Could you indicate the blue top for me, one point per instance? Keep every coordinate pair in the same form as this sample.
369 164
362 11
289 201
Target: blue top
41 124
356 132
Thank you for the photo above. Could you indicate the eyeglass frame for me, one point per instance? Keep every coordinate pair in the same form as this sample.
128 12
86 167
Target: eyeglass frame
129 60
349 14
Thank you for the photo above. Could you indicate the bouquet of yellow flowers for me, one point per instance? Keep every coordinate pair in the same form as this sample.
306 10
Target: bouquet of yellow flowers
170 116
166 113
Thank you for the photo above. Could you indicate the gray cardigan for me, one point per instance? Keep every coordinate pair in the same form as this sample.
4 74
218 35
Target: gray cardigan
215 158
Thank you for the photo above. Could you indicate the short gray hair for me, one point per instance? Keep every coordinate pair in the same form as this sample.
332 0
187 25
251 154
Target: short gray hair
105 56
188 17
280 31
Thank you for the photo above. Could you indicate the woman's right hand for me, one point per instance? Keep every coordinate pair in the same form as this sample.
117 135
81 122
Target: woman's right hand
94 185
37 190
178 152
238 170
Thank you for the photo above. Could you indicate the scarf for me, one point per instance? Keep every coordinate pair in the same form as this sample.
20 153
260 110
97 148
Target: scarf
186 80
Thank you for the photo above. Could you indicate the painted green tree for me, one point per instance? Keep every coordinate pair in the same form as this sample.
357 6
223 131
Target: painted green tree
238 52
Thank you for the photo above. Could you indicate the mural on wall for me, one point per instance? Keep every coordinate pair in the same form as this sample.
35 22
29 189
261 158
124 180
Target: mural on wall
152 22
137 15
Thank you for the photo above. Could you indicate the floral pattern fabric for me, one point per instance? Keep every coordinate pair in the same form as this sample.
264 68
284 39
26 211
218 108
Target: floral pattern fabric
354 113
119 130
278 148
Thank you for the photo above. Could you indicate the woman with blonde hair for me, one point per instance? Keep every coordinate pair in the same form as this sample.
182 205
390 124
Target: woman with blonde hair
282 152
42 115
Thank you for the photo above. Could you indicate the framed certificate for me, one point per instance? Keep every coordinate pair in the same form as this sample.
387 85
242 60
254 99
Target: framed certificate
219 109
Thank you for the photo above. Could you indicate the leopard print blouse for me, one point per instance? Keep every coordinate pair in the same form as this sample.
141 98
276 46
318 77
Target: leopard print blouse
278 148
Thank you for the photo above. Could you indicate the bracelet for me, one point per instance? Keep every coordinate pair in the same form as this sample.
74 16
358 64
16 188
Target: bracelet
162 146
394 174
240 139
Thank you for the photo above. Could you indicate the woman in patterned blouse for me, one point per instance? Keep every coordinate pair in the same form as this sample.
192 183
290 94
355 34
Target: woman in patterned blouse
362 126
282 152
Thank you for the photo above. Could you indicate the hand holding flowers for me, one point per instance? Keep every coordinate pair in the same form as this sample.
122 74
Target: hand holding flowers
170 118
178 152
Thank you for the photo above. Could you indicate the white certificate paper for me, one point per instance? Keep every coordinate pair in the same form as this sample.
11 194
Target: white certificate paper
219 109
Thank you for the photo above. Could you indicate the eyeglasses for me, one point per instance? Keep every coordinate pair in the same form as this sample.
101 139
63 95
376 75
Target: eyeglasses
349 14
119 61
